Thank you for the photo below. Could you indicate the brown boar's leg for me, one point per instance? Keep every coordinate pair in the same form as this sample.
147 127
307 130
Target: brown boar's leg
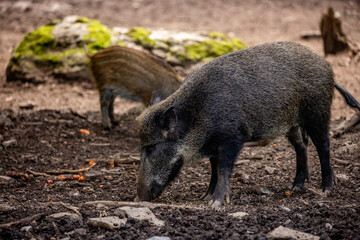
213 180
105 98
228 150
299 139
320 138
111 111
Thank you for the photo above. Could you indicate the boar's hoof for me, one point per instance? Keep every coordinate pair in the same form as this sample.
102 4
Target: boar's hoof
297 189
215 203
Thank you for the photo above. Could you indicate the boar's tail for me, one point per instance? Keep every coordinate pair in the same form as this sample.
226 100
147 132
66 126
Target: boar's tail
85 49
350 100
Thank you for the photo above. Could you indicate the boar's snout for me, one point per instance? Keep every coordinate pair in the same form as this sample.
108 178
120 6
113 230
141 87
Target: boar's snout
148 193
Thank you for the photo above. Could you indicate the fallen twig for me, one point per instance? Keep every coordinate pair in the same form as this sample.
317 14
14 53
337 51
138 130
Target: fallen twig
22 222
68 206
61 171
345 162
346 125
38 173
142 204
118 161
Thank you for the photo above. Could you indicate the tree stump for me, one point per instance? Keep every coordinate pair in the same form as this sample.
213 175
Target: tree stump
333 37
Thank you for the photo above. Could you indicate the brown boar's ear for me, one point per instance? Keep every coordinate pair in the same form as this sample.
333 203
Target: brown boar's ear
173 124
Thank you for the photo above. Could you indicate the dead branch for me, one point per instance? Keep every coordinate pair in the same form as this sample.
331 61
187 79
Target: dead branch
118 161
23 221
38 173
68 206
344 162
346 125
61 171
142 204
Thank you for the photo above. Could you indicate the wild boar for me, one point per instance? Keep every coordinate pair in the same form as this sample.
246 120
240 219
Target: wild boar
255 94
131 73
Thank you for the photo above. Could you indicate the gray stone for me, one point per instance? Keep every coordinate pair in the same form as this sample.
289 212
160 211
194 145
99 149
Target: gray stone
9 143
158 238
328 226
160 53
78 232
287 233
26 228
111 222
270 170
120 213
68 33
285 208
6 208
72 216
342 177
239 215
142 213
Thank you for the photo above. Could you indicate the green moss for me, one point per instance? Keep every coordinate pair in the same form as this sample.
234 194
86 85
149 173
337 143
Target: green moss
141 36
208 49
82 20
121 44
36 42
218 35
99 36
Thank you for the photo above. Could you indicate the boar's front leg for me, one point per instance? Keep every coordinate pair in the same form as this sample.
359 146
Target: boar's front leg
228 150
213 180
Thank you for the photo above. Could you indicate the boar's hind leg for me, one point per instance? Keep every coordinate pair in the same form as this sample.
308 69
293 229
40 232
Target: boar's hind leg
320 138
106 96
228 150
299 139
111 111
213 180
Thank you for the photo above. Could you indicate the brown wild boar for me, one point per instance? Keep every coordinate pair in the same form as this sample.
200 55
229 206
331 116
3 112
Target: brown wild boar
251 95
131 73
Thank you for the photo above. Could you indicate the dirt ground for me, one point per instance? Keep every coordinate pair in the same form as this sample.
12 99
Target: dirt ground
47 136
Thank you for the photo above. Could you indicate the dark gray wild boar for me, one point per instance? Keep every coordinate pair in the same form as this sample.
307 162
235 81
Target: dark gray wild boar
130 73
251 95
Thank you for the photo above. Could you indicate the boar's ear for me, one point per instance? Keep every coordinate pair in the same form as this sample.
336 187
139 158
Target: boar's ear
173 124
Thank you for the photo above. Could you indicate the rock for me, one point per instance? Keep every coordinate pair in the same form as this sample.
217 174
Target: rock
9 143
285 208
69 31
110 222
6 179
72 216
342 177
239 215
287 233
264 190
328 226
160 53
120 213
270 170
78 232
26 228
287 222
55 49
142 213
159 238
6 208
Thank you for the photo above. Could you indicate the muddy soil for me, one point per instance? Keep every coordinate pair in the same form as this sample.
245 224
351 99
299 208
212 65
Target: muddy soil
47 136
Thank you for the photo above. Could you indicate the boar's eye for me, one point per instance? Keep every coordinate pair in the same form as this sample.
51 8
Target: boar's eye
149 149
